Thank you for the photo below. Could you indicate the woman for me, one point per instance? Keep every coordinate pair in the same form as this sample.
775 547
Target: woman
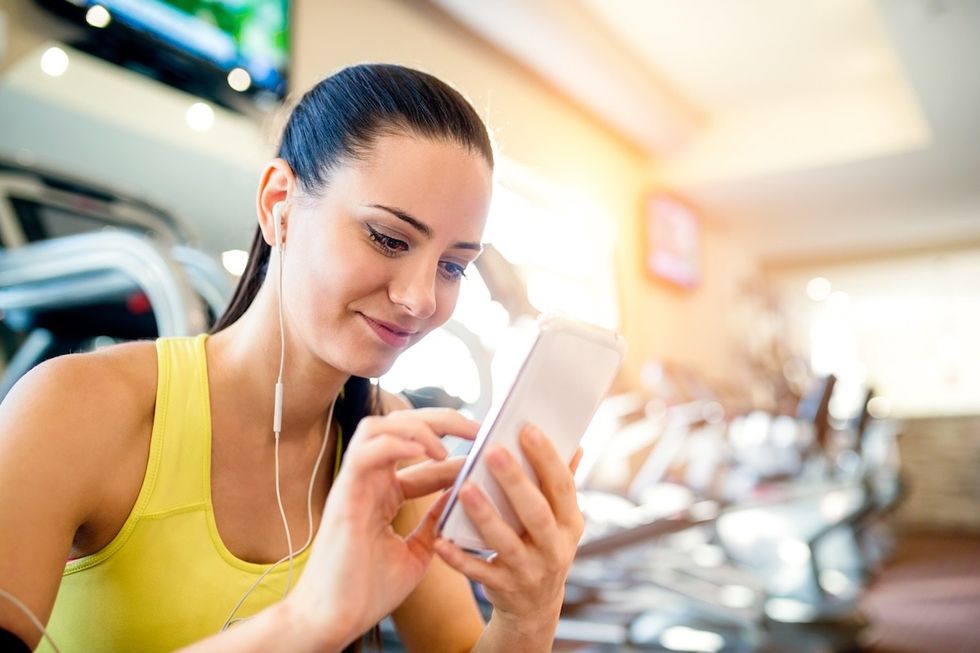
153 468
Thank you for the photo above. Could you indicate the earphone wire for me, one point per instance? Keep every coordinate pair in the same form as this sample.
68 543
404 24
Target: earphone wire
30 615
277 425
277 429
309 514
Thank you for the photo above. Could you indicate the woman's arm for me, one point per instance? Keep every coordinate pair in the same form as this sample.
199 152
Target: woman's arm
441 614
58 437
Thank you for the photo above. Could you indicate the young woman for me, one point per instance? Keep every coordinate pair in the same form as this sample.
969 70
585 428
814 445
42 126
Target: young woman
153 468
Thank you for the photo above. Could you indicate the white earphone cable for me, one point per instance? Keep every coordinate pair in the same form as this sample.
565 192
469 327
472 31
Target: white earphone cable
309 538
30 615
277 428
279 396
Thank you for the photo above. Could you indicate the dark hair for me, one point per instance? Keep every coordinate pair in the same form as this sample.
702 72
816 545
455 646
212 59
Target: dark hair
338 121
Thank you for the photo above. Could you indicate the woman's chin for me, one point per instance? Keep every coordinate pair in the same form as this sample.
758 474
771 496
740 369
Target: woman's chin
371 369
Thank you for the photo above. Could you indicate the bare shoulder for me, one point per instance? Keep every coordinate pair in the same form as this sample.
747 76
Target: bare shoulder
119 381
73 407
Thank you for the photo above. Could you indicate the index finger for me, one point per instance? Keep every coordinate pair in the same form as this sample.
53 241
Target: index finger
446 421
427 477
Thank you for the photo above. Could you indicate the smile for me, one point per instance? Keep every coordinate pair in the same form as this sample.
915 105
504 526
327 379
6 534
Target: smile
390 334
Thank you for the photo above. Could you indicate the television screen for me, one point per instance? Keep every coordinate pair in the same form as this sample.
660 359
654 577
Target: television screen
223 35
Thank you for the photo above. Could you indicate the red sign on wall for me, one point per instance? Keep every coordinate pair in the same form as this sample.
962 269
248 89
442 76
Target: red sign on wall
672 240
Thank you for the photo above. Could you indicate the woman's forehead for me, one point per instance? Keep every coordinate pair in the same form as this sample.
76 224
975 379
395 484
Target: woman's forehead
434 181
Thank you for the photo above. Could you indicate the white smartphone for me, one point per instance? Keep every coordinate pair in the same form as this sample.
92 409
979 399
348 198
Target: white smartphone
567 372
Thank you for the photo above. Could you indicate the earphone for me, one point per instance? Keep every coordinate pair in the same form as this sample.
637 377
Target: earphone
277 211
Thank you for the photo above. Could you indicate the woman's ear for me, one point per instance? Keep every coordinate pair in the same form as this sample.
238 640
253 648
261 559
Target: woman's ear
276 186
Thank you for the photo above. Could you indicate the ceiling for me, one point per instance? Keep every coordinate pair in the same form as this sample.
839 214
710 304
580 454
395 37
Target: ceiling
816 129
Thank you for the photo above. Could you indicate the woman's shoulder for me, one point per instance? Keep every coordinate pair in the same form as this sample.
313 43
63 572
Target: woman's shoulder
127 368
114 385
72 418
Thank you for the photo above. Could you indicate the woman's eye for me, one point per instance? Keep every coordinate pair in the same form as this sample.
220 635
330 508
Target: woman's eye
387 244
453 271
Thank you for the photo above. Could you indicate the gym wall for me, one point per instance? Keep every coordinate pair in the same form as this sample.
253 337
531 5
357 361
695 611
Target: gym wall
538 128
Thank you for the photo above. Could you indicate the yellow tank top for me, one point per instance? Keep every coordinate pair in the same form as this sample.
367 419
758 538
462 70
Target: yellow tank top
166 579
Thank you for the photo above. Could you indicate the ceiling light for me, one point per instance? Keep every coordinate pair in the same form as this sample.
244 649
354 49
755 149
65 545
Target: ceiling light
818 289
98 16
54 61
199 117
239 79
235 261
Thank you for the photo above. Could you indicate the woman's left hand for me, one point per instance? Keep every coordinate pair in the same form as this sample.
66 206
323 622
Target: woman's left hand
525 580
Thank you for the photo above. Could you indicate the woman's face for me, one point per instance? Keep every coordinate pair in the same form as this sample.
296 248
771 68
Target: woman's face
374 262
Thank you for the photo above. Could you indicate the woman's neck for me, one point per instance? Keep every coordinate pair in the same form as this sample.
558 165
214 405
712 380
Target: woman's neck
244 357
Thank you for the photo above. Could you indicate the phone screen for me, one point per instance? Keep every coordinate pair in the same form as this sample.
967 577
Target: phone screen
568 370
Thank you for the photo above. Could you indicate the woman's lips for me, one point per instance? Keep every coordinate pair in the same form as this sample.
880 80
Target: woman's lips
390 334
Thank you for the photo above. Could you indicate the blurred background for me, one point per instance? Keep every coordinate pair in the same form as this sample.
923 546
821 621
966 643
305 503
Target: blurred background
777 203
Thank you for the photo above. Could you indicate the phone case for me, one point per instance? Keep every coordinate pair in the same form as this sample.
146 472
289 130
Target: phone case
558 388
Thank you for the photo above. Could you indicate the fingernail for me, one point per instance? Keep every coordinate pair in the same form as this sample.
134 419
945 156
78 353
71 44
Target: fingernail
534 434
498 460
471 495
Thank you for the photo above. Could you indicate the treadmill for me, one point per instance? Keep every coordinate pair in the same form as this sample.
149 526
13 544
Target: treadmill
82 266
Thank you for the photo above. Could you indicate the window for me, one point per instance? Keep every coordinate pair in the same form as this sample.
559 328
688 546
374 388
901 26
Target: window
562 247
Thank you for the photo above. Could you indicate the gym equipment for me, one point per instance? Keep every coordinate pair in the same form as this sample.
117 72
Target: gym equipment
82 265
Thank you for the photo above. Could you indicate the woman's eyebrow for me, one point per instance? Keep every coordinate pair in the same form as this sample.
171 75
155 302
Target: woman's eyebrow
423 228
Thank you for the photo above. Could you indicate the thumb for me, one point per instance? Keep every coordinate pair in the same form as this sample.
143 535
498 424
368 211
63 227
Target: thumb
424 536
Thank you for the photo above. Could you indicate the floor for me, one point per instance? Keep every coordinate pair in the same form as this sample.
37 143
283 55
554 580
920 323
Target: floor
928 597
926 600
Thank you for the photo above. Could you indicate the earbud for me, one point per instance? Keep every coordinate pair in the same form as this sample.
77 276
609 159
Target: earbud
277 210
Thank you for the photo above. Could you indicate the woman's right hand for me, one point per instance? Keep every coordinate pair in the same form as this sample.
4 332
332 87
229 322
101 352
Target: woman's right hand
359 569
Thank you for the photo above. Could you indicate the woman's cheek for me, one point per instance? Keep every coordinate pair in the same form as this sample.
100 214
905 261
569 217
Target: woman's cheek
446 299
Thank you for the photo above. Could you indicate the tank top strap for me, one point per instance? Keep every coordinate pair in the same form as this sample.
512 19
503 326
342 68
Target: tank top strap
181 428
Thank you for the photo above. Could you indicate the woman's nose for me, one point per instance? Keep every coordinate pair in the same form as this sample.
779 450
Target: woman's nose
415 289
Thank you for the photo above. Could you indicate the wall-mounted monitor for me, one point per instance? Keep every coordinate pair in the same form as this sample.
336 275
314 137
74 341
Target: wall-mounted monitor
194 45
